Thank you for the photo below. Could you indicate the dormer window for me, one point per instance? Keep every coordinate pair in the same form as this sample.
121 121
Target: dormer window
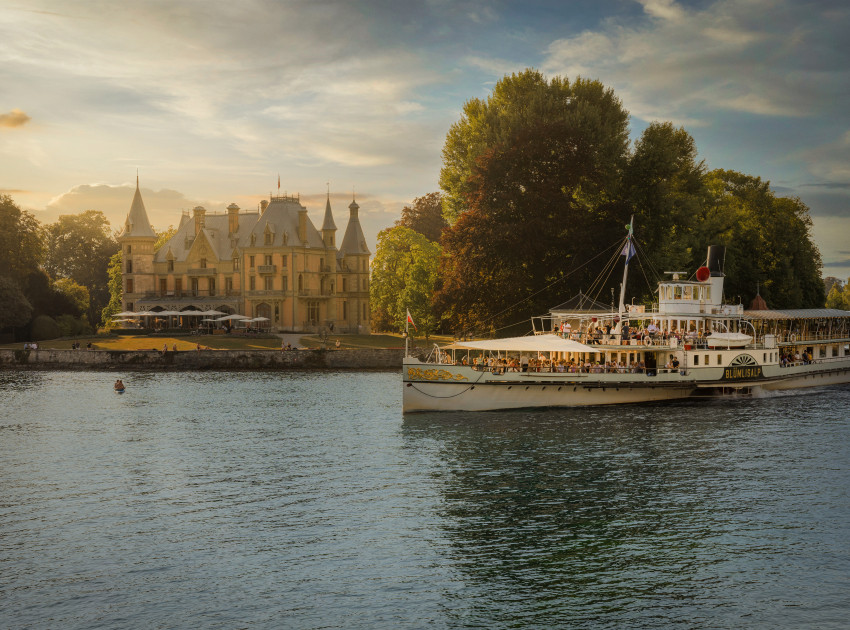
235 263
203 263
170 265
268 238
253 239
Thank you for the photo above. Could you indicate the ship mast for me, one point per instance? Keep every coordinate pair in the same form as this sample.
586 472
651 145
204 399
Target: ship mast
628 252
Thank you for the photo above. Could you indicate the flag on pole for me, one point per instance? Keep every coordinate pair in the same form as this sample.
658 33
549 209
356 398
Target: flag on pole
278 182
628 251
410 321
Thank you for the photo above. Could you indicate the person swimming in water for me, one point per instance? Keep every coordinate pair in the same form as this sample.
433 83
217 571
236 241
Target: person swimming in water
119 385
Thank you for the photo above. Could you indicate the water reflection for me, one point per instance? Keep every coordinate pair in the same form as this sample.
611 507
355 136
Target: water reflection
573 514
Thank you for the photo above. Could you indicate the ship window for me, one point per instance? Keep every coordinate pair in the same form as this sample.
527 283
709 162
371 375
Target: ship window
687 293
707 360
764 359
669 293
719 359
696 359
708 293
677 293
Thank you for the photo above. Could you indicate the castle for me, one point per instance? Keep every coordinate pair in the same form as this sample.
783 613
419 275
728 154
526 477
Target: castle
270 263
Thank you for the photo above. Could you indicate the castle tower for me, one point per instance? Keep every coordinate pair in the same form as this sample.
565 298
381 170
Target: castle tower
354 258
137 241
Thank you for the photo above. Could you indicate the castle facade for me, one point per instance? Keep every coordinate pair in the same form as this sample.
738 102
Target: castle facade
271 263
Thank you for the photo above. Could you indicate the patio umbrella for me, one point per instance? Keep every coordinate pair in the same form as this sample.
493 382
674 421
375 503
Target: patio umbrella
230 318
210 313
124 314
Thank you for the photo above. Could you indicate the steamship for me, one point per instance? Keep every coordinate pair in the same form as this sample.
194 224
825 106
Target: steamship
688 344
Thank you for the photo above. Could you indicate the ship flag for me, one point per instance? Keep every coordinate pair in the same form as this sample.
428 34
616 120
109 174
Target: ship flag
628 250
410 321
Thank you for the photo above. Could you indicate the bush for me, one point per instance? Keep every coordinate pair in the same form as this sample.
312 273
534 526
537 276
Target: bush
44 327
73 326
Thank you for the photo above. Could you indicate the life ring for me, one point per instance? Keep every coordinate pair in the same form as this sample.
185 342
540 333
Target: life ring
647 341
792 338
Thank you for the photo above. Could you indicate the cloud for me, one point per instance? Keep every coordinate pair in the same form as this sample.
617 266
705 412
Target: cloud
691 63
15 118
838 263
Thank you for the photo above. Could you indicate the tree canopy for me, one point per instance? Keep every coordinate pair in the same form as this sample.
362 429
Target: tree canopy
404 271
80 247
539 178
425 216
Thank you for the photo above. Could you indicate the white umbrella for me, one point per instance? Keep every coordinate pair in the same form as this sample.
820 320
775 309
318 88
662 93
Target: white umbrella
147 313
210 313
124 314
231 317
260 319
169 313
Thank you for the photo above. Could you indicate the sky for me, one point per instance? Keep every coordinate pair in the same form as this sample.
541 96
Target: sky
211 101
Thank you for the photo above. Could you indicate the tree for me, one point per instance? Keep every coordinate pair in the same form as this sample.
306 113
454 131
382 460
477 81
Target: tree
21 240
404 271
425 216
163 237
15 309
526 101
666 189
536 191
839 297
76 293
769 246
80 247
116 288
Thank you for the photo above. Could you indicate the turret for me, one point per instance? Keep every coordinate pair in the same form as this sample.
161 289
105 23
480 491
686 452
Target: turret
137 241
328 225
199 213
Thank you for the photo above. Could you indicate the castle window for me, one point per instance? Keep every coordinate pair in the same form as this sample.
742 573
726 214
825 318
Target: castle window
253 239
203 263
251 262
300 283
129 285
268 259
283 260
269 283
170 265
313 312
235 263
228 285
129 306
163 286
344 285
345 310
178 286
129 266
285 285
269 237
212 286
252 283
129 249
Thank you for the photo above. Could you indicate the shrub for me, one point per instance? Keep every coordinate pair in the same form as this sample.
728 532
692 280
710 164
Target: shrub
44 327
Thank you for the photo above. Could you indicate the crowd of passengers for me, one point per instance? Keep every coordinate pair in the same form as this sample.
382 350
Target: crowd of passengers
795 357
603 334
526 364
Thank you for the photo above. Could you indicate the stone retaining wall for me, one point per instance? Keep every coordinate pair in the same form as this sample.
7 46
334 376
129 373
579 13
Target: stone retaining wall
371 359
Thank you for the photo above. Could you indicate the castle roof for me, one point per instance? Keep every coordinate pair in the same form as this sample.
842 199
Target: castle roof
353 242
328 223
137 223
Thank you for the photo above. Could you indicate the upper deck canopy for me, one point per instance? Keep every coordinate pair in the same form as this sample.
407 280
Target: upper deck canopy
797 313
531 343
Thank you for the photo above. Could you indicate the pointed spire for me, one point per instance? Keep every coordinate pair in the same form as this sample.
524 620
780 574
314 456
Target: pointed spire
328 223
353 242
137 223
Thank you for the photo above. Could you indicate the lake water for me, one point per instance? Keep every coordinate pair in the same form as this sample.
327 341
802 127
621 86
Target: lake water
280 500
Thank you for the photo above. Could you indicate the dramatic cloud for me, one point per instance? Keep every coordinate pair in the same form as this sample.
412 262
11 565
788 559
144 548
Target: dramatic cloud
15 118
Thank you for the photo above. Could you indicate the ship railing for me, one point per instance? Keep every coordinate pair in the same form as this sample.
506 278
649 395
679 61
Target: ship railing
507 369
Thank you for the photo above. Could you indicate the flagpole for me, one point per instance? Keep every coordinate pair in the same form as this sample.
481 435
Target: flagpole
407 333
628 251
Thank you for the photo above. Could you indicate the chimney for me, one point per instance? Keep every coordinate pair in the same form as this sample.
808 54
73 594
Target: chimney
232 218
263 205
200 214
302 225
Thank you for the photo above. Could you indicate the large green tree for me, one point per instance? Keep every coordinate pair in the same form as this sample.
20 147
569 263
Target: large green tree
80 247
15 309
404 271
526 103
21 241
532 181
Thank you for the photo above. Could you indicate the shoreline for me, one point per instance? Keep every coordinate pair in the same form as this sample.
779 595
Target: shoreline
242 360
